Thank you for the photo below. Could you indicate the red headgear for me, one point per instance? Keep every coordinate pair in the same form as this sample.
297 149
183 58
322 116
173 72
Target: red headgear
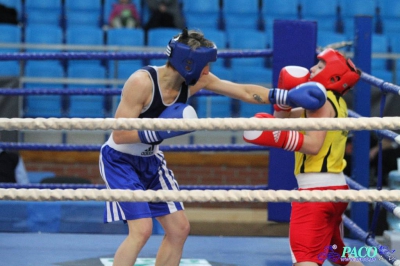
339 74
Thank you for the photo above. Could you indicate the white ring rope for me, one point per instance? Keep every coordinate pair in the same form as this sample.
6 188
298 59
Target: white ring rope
199 195
364 123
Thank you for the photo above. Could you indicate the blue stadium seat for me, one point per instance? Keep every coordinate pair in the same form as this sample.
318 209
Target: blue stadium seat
310 8
349 9
125 37
247 40
252 74
86 105
380 44
17 4
214 106
204 6
242 21
43 34
221 71
84 35
36 17
240 6
325 38
324 12
45 5
389 9
280 9
202 21
217 36
43 12
82 18
43 105
160 37
10 33
9 68
394 41
79 5
383 74
391 26
124 68
88 12
244 14
249 110
201 14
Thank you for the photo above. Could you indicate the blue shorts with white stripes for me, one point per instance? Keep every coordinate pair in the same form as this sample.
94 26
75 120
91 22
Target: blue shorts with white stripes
125 171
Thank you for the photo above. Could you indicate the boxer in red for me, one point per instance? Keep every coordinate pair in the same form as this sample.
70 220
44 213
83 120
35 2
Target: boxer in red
315 227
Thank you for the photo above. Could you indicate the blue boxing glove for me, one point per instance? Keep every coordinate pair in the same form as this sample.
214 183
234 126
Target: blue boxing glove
177 110
309 95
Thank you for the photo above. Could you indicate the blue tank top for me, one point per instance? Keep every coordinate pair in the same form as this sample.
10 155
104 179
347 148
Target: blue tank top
157 106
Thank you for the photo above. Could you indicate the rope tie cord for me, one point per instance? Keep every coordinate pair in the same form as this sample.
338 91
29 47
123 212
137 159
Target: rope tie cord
364 123
200 195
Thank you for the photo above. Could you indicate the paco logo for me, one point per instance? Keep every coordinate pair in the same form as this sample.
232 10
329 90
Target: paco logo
364 253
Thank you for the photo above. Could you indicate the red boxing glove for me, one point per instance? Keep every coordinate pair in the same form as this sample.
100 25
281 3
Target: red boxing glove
289 78
287 140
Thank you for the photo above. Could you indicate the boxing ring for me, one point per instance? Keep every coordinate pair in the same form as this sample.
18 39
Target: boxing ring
94 249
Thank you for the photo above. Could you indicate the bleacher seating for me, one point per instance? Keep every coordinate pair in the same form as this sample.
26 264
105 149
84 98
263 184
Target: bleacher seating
205 15
349 9
280 9
391 26
380 44
43 34
9 69
324 12
214 106
241 14
84 36
10 34
246 40
43 105
124 37
78 12
325 38
86 105
202 14
249 110
389 8
43 12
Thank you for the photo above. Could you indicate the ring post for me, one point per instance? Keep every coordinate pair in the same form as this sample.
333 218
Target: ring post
295 43
362 105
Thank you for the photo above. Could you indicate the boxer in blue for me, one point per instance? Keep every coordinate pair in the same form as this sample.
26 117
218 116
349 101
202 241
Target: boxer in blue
132 159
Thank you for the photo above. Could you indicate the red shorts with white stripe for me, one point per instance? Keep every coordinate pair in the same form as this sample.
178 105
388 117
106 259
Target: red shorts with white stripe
316 230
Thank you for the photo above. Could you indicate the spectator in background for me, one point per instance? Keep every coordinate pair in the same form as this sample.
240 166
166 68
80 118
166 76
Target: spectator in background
164 14
8 15
12 168
390 153
124 15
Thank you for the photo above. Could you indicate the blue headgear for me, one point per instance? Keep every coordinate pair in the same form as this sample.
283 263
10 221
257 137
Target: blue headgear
188 62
